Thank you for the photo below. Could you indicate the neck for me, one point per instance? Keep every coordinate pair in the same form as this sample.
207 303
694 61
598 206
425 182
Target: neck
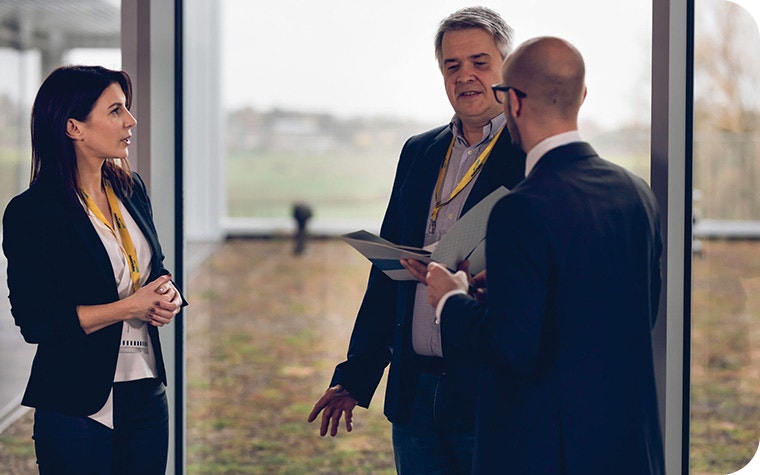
472 136
532 136
472 127
473 132
90 179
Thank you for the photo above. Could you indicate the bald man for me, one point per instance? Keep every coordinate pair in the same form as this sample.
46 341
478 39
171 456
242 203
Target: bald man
573 276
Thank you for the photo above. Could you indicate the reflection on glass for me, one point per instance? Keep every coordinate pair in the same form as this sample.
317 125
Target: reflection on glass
725 374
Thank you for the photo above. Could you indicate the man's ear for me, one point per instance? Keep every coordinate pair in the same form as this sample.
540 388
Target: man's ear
515 106
73 130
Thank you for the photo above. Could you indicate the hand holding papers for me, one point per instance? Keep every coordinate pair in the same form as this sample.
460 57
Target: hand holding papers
465 240
386 255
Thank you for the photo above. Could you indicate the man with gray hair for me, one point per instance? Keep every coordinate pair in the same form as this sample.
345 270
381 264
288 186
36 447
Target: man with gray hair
430 397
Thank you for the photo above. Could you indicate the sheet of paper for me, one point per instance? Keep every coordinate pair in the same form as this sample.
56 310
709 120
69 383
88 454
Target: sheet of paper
468 235
465 240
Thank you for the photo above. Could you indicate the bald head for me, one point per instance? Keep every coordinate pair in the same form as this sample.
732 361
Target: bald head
552 73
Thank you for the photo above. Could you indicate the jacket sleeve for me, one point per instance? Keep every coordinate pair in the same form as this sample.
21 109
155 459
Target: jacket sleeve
370 347
40 306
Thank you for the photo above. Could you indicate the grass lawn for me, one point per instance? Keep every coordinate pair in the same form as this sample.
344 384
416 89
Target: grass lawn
265 329
337 185
725 376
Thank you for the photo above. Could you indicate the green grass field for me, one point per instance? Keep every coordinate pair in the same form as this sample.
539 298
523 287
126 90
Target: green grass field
338 185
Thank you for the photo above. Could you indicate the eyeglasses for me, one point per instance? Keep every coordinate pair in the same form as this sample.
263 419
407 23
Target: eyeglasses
500 92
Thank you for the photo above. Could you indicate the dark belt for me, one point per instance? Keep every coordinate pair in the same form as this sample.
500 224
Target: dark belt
430 365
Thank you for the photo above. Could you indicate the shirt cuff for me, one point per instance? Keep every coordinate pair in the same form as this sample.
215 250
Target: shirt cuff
442 302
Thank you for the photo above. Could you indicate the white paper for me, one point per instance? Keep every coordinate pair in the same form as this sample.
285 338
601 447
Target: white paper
465 240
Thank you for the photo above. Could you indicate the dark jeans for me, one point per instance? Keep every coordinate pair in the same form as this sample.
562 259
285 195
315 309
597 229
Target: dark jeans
138 443
422 446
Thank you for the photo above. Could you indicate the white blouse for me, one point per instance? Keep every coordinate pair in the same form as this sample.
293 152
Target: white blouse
136 359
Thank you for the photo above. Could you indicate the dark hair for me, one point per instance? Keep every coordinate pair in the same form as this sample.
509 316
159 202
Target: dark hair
71 92
475 17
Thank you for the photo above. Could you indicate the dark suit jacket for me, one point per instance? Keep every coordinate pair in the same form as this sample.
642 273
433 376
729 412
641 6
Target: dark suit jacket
56 261
567 383
382 331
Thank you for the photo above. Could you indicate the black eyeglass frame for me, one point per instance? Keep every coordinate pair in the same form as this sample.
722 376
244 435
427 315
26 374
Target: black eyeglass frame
496 88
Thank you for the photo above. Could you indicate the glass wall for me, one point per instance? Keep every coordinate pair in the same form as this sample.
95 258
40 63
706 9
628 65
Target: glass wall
316 100
37 37
317 105
725 309
15 104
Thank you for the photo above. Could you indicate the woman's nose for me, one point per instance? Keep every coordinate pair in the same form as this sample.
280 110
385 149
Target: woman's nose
131 121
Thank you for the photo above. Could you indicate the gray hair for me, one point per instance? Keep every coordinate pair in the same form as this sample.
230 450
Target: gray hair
476 17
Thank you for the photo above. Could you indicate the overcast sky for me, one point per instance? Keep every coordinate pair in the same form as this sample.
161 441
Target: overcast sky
355 58
360 58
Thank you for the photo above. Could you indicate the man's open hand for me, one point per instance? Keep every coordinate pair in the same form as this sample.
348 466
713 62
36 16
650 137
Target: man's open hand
334 402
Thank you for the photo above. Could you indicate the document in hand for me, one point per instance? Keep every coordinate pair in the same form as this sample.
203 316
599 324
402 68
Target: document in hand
465 240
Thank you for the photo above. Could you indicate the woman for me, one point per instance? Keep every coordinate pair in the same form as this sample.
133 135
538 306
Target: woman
87 283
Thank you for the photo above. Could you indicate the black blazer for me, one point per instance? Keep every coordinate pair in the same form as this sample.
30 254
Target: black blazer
56 261
573 259
382 331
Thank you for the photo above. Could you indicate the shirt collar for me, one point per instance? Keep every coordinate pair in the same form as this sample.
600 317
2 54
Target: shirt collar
550 143
489 130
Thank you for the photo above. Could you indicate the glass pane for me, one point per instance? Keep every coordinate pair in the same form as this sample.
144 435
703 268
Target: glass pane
725 388
317 99
322 120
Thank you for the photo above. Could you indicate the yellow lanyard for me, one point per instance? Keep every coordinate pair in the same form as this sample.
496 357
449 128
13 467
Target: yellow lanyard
466 179
127 247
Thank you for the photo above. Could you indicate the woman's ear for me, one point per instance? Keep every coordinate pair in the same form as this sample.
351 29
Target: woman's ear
73 130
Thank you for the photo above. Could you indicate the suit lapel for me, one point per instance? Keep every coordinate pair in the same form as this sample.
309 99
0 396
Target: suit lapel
83 227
